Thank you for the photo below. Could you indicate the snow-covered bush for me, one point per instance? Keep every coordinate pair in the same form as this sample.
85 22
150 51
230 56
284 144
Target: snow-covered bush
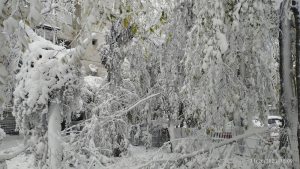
89 91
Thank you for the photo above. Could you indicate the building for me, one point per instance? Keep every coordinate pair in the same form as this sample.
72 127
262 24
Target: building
273 111
66 32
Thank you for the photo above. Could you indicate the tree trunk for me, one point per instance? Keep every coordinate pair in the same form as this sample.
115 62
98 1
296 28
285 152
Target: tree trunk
297 25
171 131
286 86
238 127
54 136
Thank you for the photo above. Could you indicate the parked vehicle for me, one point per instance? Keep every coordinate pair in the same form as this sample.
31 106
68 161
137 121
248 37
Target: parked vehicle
275 120
275 131
230 129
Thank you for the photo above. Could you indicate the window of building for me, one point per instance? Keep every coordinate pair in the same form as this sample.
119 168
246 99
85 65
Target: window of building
94 41
47 31
65 43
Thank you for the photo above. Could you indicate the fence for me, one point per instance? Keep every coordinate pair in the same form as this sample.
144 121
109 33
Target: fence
8 124
244 147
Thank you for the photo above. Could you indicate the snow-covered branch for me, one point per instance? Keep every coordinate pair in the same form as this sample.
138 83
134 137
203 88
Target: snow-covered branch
4 156
207 149
123 112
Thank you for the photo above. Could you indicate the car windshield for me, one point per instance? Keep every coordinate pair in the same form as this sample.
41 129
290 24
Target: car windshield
276 121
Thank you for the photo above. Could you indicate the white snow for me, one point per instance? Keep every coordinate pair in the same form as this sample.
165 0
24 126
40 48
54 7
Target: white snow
54 136
93 81
222 42
1 6
35 10
2 134
11 141
93 68
217 22
3 71
277 4
40 148
10 25
22 161
138 155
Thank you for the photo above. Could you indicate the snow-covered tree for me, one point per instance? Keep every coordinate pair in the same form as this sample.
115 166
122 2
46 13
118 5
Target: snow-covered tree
47 77
47 90
230 68
211 61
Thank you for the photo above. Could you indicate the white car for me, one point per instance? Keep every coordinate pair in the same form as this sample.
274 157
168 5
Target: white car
271 120
229 128
275 120
275 131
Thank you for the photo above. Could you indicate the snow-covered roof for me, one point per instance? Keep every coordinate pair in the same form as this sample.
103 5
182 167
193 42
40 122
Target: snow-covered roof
274 117
47 27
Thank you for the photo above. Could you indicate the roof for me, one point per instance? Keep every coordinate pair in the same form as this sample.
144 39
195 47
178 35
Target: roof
274 117
47 27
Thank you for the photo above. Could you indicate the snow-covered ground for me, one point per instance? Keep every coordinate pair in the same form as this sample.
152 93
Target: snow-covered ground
24 161
11 141
137 155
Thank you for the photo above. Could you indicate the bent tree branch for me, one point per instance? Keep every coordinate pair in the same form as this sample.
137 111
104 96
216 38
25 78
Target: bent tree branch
207 149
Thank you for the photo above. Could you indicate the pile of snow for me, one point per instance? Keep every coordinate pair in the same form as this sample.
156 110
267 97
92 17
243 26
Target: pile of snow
93 81
93 68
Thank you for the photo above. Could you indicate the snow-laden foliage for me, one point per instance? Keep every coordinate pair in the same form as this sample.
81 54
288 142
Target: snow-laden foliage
231 72
89 92
44 76
98 141
113 51
210 62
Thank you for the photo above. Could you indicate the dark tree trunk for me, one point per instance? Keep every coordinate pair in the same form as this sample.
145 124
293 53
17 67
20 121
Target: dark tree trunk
287 100
297 45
